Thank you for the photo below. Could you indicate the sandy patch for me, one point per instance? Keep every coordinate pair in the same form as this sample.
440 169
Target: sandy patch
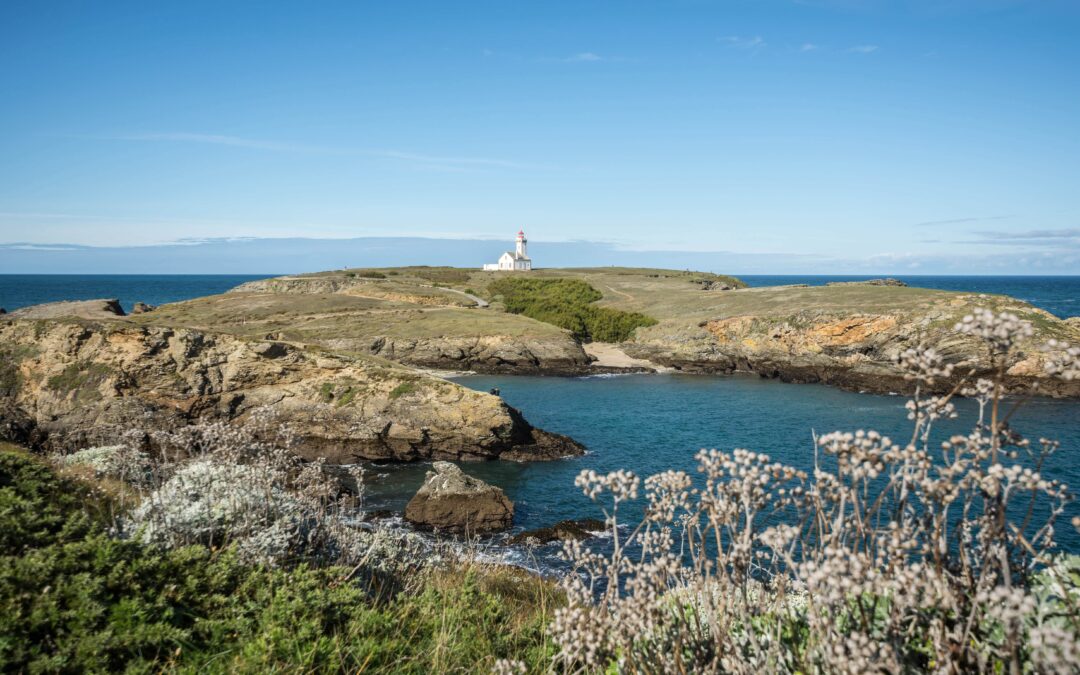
610 356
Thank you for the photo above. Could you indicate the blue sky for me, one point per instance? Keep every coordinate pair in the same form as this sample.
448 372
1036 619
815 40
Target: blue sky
850 135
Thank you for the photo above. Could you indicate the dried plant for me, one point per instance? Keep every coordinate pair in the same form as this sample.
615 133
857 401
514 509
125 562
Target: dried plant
220 484
887 557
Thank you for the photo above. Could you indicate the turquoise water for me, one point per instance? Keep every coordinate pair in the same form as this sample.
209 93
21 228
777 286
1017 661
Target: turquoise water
649 423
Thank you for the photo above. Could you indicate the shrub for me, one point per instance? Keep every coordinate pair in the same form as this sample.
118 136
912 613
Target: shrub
567 303
111 461
402 389
81 378
74 599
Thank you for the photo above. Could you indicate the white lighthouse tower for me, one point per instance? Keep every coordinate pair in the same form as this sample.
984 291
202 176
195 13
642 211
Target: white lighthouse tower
518 261
520 251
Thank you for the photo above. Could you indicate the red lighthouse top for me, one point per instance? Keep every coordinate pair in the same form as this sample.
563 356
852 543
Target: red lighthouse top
521 233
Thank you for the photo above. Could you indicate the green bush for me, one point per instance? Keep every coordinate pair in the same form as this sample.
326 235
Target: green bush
402 389
567 303
74 599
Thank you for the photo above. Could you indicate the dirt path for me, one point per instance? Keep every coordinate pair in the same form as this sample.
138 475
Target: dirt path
615 290
610 356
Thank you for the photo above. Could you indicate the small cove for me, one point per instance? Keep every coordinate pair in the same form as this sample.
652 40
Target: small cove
650 423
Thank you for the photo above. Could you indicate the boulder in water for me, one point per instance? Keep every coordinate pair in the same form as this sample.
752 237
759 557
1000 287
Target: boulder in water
449 500
564 530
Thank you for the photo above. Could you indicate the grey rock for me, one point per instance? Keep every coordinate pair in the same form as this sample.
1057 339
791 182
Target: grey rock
452 501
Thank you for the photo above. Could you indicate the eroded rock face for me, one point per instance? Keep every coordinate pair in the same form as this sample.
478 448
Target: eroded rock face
72 384
852 350
488 354
142 308
452 501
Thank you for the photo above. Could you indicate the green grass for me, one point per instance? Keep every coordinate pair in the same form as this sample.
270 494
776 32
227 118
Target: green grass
73 599
568 303
81 378
403 389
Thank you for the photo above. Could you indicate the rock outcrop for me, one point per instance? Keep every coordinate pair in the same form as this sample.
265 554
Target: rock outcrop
853 350
452 501
564 530
487 354
83 309
75 383
142 308
869 282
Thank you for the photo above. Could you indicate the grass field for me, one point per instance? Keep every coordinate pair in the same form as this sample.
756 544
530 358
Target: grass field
431 302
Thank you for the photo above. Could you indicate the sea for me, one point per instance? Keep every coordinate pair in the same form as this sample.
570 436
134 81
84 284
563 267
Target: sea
650 423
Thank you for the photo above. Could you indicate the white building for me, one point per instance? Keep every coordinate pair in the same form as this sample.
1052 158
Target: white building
518 261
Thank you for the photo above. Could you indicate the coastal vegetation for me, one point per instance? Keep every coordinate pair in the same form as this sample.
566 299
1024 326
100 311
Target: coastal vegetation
568 303
76 598
221 550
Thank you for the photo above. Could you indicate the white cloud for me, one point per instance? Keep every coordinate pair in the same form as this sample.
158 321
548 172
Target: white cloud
808 47
863 49
584 57
741 42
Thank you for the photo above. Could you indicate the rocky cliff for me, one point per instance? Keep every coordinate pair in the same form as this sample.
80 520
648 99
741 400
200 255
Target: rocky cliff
855 349
410 323
71 383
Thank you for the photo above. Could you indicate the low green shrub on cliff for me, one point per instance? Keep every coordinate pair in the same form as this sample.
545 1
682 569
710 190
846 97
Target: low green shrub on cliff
81 378
567 303
402 389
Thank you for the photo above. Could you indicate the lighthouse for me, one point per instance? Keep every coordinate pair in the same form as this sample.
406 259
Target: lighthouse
518 261
520 251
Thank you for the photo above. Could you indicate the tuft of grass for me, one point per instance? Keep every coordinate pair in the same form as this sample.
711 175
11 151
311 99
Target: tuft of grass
83 378
346 397
402 389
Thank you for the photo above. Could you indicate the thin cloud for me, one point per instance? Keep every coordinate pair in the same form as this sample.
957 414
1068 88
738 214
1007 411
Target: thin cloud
584 57
808 47
863 49
740 42
1064 233
958 221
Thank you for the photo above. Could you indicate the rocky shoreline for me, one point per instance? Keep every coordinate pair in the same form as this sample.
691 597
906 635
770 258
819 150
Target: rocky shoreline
72 383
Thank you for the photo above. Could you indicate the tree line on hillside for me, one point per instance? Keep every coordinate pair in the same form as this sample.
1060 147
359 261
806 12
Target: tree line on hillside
567 303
